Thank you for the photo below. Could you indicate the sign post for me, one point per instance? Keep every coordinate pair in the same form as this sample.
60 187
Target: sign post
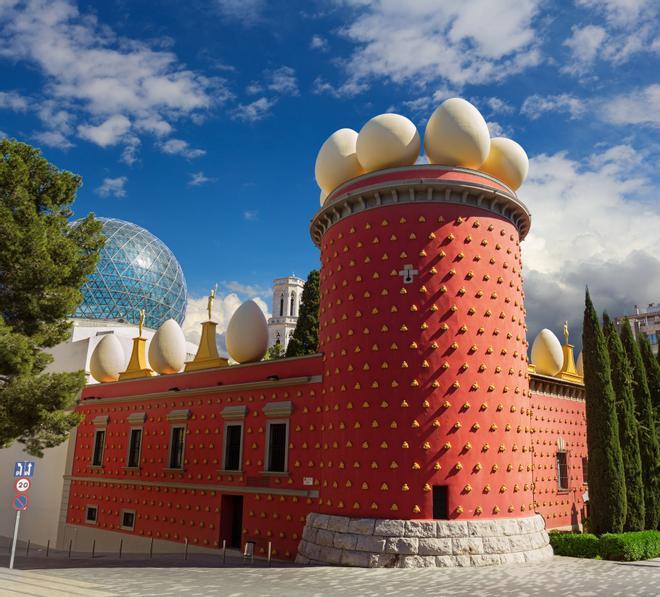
23 470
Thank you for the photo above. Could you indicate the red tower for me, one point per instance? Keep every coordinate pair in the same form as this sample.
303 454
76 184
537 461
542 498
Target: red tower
426 388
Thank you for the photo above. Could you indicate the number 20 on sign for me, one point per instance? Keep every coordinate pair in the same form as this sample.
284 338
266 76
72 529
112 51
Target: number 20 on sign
22 485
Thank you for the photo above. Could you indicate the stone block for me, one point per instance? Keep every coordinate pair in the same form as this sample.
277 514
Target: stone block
355 558
312 551
330 555
520 543
452 528
338 523
320 521
509 527
402 545
309 533
485 560
526 525
467 545
483 528
461 561
361 526
434 547
388 560
324 537
417 562
444 562
420 528
389 528
494 545
540 523
345 540
370 543
301 559
512 558
311 517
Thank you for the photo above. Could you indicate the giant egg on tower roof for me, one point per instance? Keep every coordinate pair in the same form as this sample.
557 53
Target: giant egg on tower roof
506 161
547 355
247 334
386 141
167 349
457 135
337 160
108 359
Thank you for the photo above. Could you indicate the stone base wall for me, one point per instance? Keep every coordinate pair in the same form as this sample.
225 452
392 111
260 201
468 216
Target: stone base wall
380 543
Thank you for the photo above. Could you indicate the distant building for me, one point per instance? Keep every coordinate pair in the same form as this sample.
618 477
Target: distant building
287 295
645 320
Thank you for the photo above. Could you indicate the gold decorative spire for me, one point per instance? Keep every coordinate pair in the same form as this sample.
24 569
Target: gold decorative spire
141 322
209 305
566 332
568 370
137 365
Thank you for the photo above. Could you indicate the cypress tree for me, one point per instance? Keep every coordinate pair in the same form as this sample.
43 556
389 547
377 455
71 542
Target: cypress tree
628 433
607 493
648 441
305 339
652 368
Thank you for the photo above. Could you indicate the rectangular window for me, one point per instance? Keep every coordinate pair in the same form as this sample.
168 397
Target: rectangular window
233 447
99 442
277 447
127 520
562 470
585 471
91 514
440 502
134 445
176 447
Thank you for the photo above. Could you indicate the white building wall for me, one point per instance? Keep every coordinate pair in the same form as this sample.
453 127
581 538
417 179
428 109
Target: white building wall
283 322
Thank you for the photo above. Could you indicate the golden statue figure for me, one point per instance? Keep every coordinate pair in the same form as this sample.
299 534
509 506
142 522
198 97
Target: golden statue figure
566 331
141 323
209 306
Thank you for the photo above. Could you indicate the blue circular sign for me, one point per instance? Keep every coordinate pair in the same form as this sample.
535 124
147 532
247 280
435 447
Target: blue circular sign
20 502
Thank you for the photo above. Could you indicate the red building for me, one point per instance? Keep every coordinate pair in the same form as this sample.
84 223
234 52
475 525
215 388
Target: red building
417 436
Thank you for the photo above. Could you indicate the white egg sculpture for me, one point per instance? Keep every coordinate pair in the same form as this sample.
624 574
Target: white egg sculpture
167 349
322 197
457 135
337 160
547 355
506 161
387 141
580 365
247 334
108 359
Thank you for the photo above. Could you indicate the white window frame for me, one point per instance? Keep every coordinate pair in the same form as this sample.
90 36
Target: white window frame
286 447
87 509
121 520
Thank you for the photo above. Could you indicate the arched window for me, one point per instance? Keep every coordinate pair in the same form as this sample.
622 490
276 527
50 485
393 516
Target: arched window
281 305
293 305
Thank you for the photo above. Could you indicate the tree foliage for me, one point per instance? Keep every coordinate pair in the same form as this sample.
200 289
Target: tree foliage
652 369
621 373
43 264
275 351
305 339
607 493
648 441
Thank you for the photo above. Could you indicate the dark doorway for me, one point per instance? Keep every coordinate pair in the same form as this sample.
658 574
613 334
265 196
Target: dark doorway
231 520
440 502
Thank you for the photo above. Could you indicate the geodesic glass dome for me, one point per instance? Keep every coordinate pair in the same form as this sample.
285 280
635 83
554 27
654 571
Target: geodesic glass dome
135 271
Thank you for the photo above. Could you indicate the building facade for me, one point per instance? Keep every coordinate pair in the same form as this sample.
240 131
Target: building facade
419 435
287 297
646 321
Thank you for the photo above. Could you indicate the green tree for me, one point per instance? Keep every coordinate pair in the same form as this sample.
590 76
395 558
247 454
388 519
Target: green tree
607 493
44 261
628 434
275 351
648 441
305 339
652 369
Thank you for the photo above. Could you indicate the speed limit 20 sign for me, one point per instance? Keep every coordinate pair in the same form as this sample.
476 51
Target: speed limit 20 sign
22 485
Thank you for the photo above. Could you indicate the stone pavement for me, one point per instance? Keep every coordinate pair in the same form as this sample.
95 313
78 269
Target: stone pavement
559 576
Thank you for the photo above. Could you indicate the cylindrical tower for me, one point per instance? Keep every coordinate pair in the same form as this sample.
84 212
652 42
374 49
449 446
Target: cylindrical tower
422 327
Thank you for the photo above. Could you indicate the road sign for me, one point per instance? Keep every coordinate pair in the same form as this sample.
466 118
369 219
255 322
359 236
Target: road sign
22 485
20 502
24 468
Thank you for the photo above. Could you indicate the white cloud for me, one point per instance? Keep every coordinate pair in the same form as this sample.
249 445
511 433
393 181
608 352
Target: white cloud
536 105
251 215
248 290
318 43
473 41
253 111
497 105
584 45
182 148
11 100
621 13
348 89
3 135
224 307
594 223
198 179
113 187
495 129
638 106
109 132
53 138
246 12
283 80
108 86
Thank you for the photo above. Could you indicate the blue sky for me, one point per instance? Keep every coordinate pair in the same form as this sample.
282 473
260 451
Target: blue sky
201 121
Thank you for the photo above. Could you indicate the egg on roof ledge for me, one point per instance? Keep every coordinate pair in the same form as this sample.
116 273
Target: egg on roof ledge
337 160
547 355
387 141
506 161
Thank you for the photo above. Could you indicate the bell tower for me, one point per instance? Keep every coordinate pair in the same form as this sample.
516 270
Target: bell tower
287 295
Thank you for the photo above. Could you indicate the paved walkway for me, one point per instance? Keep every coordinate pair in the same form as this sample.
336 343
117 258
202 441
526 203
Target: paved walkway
560 576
